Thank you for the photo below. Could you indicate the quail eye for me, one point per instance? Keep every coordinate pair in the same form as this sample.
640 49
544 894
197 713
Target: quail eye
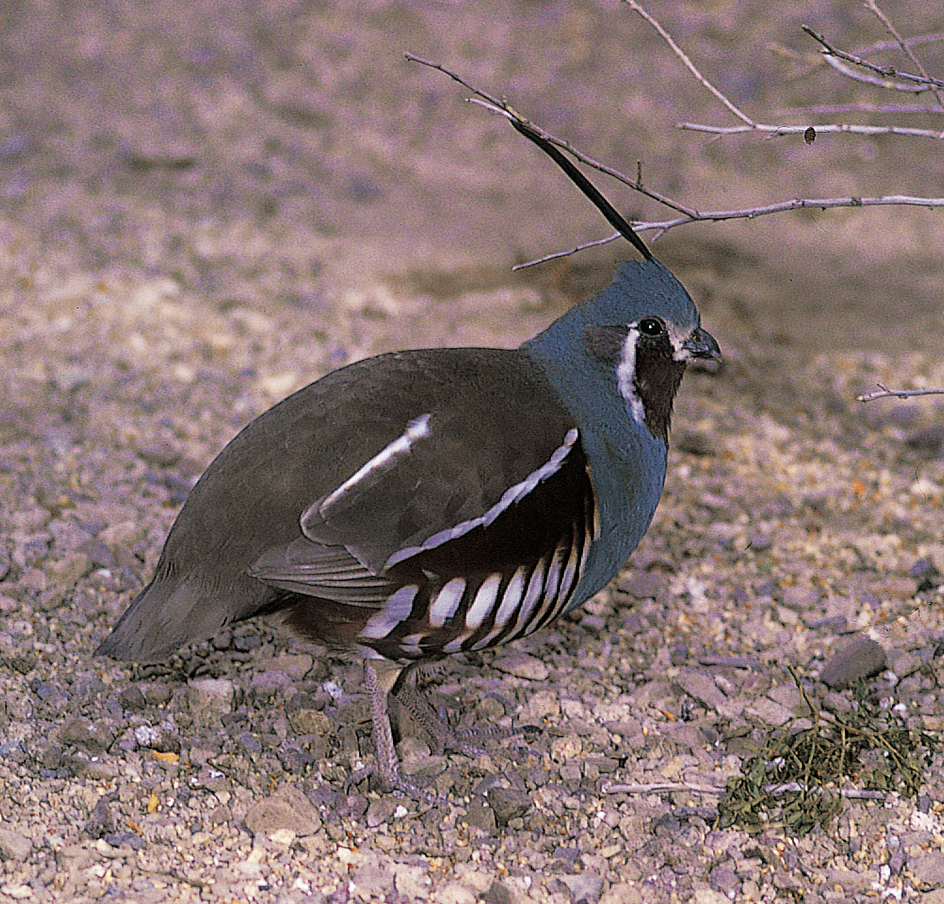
651 327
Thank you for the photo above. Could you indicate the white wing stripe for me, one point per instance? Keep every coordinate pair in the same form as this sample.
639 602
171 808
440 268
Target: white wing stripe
384 460
510 496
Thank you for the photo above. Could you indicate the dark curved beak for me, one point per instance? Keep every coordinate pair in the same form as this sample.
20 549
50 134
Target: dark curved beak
701 344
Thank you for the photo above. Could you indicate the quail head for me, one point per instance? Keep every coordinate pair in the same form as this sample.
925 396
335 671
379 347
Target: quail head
424 503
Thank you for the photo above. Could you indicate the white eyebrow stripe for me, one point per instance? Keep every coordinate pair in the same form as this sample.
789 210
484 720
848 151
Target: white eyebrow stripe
384 460
509 497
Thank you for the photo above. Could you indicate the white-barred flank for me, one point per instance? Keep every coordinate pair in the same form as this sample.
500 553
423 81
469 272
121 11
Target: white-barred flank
568 579
483 603
397 608
444 606
474 613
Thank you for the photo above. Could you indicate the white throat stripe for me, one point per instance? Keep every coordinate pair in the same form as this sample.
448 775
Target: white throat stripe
625 374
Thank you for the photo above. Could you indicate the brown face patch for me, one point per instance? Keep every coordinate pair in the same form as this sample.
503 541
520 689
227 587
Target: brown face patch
656 381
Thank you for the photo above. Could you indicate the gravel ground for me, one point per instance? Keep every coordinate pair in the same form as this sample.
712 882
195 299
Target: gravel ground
205 210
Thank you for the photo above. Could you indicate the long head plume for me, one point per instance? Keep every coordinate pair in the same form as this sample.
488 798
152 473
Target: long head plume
613 216
533 133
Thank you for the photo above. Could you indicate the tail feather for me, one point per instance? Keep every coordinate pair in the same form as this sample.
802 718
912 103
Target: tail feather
165 616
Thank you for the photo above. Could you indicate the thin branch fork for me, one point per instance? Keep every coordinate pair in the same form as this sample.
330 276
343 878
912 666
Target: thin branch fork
886 72
865 78
832 55
923 80
883 392
663 787
686 213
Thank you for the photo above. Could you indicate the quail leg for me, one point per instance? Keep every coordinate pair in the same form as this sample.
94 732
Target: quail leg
380 680
445 736
384 680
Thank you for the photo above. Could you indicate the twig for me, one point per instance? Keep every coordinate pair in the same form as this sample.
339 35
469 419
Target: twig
663 787
554 255
537 135
913 41
905 49
505 109
832 55
885 71
866 79
751 125
688 214
749 213
612 216
737 111
883 392
839 127
850 72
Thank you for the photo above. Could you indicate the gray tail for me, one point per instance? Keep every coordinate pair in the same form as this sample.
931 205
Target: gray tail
162 618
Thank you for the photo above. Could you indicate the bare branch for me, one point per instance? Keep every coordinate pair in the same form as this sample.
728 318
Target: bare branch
503 108
883 392
913 41
688 214
905 49
661 787
748 213
554 255
832 55
737 111
840 127
884 71
867 79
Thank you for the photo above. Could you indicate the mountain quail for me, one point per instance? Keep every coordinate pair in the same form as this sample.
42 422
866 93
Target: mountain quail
423 503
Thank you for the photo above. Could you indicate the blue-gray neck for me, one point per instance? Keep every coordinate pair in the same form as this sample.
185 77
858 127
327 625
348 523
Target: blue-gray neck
627 463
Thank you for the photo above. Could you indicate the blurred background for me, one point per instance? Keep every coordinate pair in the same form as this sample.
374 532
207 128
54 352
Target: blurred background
282 156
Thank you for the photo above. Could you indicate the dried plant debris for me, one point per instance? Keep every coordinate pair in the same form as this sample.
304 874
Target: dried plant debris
798 778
